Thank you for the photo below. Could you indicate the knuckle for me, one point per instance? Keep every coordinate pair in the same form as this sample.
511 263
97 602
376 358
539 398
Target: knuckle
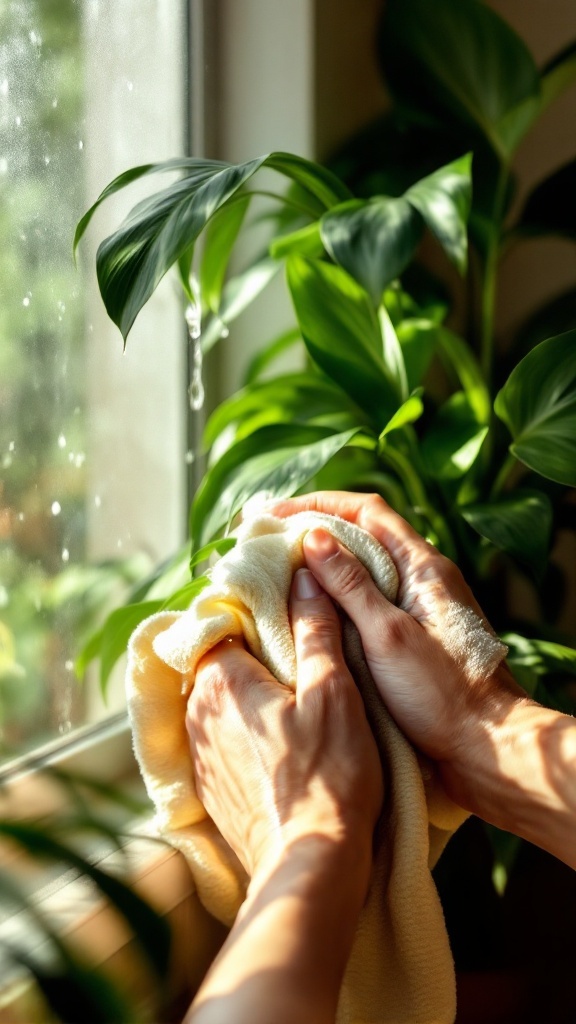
350 576
448 573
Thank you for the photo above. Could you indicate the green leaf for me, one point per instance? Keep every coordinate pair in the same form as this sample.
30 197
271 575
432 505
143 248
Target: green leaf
374 240
151 930
341 333
159 230
408 412
505 848
418 340
459 357
519 524
220 547
541 657
551 207
181 599
306 241
459 65
275 461
262 360
454 439
393 353
295 397
558 75
219 238
443 199
237 294
117 631
538 405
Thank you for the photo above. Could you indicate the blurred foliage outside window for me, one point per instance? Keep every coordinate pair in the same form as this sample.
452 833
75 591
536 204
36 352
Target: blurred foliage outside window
52 590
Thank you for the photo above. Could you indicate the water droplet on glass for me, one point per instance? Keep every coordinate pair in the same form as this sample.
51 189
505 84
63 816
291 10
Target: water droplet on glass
129 86
80 144
21 517
196 388
46 160
4 86
35 39
18 120
56 508
12 446
64 726
61 441
65 555
119 543
79 460
3 596
3 165
7 462
69 665
97 501
224 332
26 301
189 457
54 103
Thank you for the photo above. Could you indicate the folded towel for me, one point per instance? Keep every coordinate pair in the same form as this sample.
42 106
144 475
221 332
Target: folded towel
400 970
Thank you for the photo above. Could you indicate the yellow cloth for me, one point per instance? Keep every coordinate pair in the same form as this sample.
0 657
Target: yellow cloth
400 970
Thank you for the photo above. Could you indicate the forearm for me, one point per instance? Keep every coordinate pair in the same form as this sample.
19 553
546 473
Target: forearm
285 956
519 772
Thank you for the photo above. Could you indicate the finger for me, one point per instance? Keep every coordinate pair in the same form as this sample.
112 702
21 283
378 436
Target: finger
350 584
317 638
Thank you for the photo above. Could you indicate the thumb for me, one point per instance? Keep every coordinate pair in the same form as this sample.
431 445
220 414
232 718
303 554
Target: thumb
317 637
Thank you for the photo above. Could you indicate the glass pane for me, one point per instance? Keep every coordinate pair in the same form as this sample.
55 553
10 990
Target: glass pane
91 489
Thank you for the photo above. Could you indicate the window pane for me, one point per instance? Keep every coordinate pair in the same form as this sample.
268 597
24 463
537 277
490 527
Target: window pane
92 461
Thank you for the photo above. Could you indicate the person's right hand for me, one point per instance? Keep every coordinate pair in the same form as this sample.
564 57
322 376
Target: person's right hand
423 652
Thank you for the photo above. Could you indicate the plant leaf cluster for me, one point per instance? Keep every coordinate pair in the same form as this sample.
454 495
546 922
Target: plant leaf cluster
476 449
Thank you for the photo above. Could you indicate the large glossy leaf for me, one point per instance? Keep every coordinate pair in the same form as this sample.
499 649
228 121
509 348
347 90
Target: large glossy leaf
237 295
341 333
559 74
219 238
458 63
519 523
418 339
295 397
459 358
374 240
538 405
274 461
159 230
443 199
542 657
551 207
454 439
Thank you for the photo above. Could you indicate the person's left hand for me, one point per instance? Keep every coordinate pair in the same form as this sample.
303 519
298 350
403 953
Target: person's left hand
272 766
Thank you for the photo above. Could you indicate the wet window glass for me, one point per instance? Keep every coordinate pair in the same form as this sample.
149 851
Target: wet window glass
92 457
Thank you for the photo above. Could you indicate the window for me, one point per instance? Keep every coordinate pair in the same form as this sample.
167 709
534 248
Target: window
91 491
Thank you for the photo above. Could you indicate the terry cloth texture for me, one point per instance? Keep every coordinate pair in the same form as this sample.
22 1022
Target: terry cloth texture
401 969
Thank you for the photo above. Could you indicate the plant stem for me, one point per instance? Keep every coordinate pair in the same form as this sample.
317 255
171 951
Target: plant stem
489 284
417 496
508 467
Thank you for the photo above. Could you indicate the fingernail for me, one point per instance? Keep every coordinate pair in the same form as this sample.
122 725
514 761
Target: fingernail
306 585
321 545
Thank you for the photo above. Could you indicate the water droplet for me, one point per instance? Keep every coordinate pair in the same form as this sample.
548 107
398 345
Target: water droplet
4 87
61 306
3 596
196 388
3 165
18 121
12 446
79 460
46 160
65 555
7 462
64 726
224 332
61 441
119 543
97 501
35 39
80 144
56 508
69 665
130 86
189 457
21 517
54 103
26 301
193 314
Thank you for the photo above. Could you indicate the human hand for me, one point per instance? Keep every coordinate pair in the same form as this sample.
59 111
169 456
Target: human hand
438 668
274 767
